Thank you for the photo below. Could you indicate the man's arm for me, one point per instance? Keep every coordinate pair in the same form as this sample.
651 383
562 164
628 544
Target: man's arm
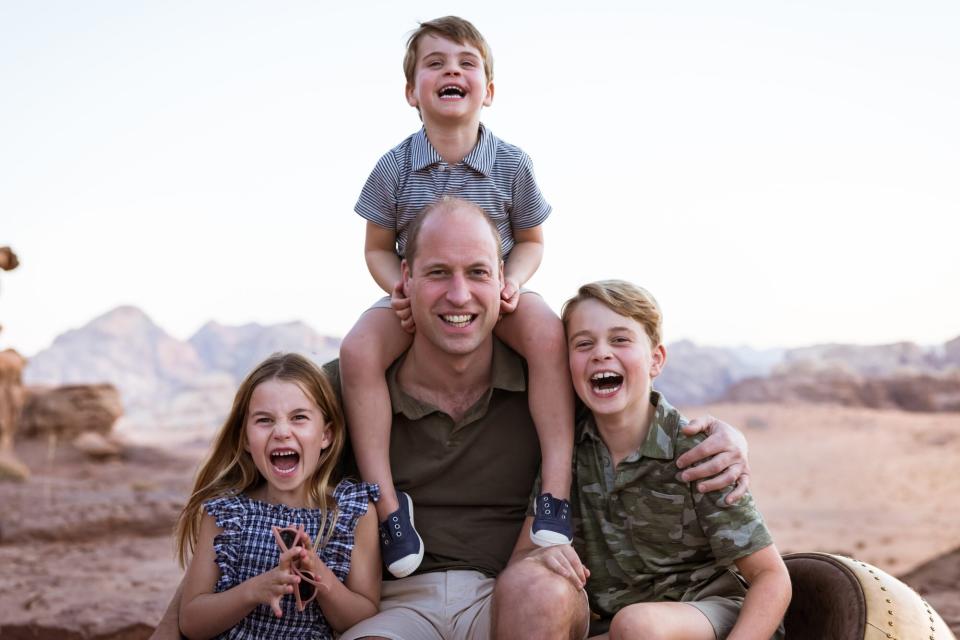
721 459
169 626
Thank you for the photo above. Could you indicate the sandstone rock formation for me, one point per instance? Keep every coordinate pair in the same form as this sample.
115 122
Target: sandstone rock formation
11 405
71 410
832 383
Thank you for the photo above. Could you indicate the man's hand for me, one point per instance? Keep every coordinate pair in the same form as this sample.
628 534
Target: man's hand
509 296
562 560
401 306
721 458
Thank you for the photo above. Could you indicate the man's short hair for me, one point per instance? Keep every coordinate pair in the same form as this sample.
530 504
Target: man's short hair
623 298
454 29
444 205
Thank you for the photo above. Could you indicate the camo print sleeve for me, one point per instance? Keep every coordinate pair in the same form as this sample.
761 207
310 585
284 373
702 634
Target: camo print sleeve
734 531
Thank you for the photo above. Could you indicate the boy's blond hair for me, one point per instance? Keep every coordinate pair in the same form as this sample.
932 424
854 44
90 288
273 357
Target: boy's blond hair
623 298
454 29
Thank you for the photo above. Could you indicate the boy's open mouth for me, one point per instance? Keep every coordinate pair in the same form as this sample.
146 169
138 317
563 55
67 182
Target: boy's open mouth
451 91
284 460
606 382
459 321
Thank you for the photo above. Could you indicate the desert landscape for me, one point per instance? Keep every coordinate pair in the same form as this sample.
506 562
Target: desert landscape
85 532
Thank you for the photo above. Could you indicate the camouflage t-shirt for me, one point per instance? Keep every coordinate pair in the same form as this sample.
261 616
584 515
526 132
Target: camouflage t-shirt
647 536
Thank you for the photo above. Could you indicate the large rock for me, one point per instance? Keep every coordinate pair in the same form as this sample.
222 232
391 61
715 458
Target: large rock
71 410
11 396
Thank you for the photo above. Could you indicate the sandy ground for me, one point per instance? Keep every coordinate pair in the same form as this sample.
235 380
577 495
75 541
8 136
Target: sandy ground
86 552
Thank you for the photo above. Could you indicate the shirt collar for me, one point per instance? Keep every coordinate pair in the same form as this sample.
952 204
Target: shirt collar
507 374
480 158
661 435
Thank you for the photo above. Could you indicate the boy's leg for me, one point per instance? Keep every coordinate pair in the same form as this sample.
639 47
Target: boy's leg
365 354
534 331
661 621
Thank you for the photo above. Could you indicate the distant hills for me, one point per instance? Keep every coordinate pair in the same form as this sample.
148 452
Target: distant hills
168 382
163 380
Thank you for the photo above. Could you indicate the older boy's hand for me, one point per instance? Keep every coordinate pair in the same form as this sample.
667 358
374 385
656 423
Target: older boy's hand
401 306
509 296
721 458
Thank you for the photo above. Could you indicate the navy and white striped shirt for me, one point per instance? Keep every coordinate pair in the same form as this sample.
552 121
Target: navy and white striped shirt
495 175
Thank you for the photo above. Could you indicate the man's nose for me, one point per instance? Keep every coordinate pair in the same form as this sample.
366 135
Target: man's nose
458 291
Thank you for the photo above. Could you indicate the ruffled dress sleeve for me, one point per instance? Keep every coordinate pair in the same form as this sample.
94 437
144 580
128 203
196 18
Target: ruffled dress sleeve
228 512
352 499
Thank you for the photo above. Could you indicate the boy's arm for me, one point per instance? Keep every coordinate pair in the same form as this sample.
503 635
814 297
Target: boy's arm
381 255
768 595
524 260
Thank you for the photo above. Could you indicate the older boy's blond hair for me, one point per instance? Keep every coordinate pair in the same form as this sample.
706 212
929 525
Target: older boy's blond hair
454 29
623 298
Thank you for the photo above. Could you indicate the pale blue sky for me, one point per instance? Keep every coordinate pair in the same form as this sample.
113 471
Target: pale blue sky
776 173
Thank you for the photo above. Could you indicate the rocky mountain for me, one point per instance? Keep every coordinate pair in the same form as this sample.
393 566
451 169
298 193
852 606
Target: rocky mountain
162 380
237 350
169 382
902 375
698 374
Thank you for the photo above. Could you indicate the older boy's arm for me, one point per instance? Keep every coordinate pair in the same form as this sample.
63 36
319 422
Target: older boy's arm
524 260
381 256
722 458
768 595
169 626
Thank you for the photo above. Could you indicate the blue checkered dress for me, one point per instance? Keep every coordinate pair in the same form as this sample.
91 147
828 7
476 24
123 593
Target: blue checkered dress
247 548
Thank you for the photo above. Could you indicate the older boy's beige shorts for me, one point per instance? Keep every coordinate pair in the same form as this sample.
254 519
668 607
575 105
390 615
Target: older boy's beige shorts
445 605
717 602
384 302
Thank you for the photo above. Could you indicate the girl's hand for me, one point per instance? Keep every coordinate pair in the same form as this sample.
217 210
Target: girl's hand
269 587
401 306
311 562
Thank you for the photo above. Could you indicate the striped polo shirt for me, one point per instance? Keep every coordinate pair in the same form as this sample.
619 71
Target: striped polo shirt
496 176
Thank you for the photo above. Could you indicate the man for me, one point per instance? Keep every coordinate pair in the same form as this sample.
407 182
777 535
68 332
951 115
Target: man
464 447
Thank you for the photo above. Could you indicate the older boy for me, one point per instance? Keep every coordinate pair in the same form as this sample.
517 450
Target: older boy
449 72
656 550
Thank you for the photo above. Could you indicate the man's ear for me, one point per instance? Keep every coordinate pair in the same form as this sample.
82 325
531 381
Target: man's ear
659 357
405 276
502 278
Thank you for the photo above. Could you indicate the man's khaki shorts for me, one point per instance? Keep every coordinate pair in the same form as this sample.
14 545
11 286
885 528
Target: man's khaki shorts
446 605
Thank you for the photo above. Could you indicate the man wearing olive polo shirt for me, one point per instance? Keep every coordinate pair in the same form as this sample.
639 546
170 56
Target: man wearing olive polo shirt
463 445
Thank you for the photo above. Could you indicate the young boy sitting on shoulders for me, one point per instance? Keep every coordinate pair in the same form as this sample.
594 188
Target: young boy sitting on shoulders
658 551
449 72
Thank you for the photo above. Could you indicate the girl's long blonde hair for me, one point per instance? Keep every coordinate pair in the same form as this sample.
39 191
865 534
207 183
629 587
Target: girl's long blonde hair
230 469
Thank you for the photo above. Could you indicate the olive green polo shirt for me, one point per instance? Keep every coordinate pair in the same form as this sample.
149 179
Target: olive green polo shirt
647 536
470 480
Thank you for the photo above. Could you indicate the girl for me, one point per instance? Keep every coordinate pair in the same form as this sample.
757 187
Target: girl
264 492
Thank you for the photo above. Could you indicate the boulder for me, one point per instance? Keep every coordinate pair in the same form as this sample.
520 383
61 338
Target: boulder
96 445
68 411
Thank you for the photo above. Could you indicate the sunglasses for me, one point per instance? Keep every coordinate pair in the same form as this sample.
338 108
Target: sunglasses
287 538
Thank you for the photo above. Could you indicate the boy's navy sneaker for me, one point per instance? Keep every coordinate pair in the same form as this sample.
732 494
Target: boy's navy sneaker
552 523
400 543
